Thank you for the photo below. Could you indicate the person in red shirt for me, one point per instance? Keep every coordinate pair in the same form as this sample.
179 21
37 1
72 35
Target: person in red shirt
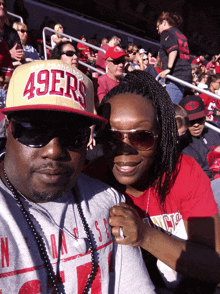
115 61
100 62
212 104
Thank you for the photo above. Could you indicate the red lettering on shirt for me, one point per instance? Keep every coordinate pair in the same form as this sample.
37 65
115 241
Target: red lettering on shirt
31 287
4 252
63 244
53 246
106 229
83 272
97 228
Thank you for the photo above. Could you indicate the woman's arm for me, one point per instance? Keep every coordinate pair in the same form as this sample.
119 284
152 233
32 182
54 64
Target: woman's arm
171 59
198 257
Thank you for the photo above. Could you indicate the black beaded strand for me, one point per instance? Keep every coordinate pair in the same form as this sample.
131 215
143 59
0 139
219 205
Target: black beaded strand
86 228
37 236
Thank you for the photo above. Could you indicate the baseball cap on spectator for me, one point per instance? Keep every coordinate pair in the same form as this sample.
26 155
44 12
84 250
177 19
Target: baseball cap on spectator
52 85
194 107
115 52
142 51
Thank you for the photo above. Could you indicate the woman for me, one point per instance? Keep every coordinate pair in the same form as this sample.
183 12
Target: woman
57 38
30 52
174 54
66 52
169 190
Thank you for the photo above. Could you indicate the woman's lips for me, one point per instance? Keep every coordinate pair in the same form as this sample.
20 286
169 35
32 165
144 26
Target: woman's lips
126 167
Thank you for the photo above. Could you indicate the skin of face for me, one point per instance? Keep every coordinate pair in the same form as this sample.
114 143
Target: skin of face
71 60
3 10
42 174
115 71
130 166
182 130
214 86
23 36
196 129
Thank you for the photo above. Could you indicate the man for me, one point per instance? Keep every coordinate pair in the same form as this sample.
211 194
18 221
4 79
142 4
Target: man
55 236
202 143
100 62
212 104
9 35
115 61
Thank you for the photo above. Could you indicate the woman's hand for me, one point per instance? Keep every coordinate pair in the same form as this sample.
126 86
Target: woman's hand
126 217
164 73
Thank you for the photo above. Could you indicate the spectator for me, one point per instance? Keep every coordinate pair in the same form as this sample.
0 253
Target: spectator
203 81
53 219
171 193
202 141
115 60
30 52
6 69
66 52
82 49
100 62
57 38
212 104
9 35
174 54
182 120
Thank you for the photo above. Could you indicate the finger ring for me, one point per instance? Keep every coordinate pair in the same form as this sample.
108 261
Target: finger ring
121 233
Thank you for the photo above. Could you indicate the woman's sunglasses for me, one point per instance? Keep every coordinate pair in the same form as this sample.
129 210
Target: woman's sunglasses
139 139
69 53
35 136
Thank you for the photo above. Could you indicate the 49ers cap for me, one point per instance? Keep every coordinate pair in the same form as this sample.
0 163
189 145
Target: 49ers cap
51 85
194 107
115 52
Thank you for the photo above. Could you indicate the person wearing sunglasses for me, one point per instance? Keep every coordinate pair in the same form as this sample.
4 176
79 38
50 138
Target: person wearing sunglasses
30 52
66 52
55 237
170 209
201 142
115 62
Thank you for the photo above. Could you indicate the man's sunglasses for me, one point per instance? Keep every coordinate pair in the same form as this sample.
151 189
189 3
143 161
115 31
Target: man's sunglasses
37 136
23 31
117 61
69 53
199 121
139 139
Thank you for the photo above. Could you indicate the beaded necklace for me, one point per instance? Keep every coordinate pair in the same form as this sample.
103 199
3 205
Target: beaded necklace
40 242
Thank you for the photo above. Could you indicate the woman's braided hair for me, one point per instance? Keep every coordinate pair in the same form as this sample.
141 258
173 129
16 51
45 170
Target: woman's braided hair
164 165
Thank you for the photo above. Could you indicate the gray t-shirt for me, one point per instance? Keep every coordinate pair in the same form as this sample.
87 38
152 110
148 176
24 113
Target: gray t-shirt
120 268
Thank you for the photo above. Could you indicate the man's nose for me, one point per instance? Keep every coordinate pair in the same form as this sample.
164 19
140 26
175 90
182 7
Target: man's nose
54 150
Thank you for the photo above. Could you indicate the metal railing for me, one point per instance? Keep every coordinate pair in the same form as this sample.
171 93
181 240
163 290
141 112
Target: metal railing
174 79
45 46
16 16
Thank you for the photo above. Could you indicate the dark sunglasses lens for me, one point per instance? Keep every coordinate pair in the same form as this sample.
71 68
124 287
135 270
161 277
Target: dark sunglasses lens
36 137
70 53
29 135
141 139
197 121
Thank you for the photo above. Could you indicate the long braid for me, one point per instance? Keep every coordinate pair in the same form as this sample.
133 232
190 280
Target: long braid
164 166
